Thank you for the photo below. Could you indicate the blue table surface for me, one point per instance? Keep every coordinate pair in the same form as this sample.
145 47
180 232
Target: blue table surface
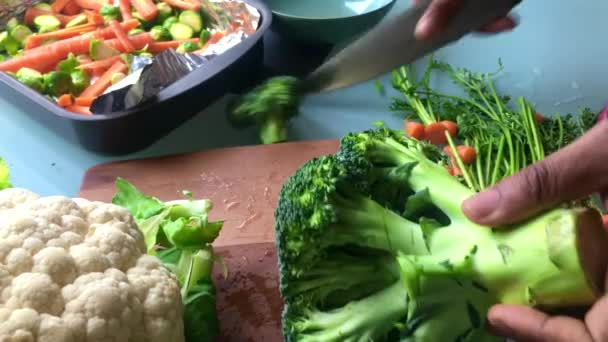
556 58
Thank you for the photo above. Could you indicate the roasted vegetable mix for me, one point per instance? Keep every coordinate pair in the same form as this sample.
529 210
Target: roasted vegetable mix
373 244
98 39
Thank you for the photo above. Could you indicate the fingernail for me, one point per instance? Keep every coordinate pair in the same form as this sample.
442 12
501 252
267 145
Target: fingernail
481 205
422 27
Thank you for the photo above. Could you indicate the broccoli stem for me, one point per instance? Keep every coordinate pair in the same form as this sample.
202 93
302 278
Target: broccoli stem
361 320
363 222
561 272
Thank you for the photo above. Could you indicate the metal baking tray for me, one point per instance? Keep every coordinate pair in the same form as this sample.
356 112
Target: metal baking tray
137 128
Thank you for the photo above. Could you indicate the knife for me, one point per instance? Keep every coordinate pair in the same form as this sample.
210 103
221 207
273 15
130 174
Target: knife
392 43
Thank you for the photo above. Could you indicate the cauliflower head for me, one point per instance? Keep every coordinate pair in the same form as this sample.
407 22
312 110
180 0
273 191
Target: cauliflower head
73 270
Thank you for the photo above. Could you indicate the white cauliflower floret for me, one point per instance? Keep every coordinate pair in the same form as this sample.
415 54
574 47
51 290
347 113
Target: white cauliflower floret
75 270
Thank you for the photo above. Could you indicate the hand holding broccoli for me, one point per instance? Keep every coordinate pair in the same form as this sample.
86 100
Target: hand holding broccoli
439 12
576 171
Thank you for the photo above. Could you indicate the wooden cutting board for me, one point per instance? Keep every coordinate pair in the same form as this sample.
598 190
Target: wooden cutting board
243 183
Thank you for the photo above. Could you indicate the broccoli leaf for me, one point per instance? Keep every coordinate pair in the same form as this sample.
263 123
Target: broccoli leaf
4 175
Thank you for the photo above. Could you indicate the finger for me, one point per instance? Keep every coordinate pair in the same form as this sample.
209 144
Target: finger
596 320
574 172
526 324
499 25
436 17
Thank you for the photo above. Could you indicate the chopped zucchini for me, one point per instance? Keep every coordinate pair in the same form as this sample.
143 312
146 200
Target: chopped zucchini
117 77
31 78
164 12
136 31
44 6
57 83
187 47
12 22
159 33
204 37
100 50
192 19
19 33
169 21
80 81
110 12
47 23
180 31
79 20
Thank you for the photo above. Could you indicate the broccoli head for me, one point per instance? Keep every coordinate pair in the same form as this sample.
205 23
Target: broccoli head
373 246
269 106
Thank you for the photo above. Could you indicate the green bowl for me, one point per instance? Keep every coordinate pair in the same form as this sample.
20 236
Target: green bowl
327 21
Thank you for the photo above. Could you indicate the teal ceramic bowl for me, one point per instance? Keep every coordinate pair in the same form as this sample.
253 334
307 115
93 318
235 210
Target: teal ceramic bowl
327 21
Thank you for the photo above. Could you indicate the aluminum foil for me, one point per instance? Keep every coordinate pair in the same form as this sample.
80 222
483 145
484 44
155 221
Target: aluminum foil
235 19
14 8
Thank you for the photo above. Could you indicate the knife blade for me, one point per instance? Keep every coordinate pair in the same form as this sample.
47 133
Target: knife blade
392 43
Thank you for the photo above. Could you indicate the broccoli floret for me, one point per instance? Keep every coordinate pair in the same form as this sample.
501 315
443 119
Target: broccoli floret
373 246
269 106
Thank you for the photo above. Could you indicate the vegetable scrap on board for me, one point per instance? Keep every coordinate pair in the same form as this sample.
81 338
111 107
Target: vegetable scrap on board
73 51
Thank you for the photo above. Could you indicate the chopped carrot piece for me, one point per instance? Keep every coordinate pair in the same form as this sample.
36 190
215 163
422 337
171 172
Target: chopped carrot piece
104 81
85 101
122 36
414 130
36 40
451 126
72 8
184 4
139 41
94 5
605 220
146 8
79 109
435 133
64 100
156 47
59 5
125 9
100 64
94 17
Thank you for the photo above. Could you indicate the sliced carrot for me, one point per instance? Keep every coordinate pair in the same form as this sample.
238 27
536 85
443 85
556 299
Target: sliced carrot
414 130
100 64
59 5
146 8
434 133
105 33
79 109
122 36
94 17
125 9
156 47
451 126
72 8
38 39
32 12
45 56
85 101
94 5
184 4
64 100
101 84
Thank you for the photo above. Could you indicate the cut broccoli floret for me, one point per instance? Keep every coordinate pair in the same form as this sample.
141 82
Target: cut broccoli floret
373 246
269 106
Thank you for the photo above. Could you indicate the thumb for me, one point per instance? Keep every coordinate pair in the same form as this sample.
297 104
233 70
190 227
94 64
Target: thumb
525 324
578 170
